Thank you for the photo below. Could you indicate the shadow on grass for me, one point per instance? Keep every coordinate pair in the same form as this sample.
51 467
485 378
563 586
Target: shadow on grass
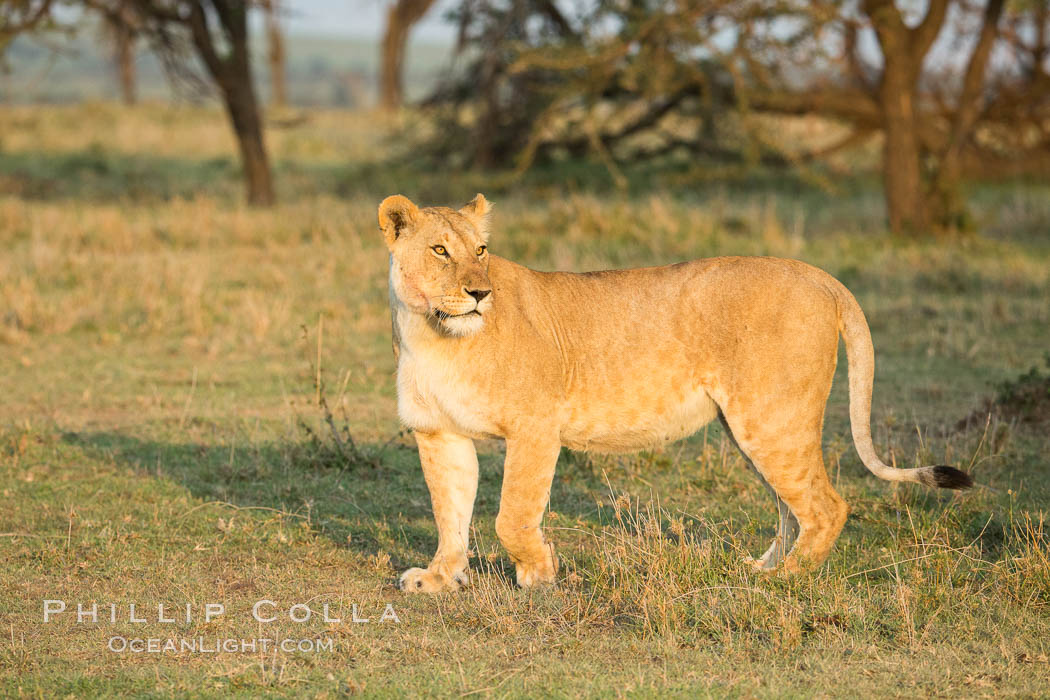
382 506
97 174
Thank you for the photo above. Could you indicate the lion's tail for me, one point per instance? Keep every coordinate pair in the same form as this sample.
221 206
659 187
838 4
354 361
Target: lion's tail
861 358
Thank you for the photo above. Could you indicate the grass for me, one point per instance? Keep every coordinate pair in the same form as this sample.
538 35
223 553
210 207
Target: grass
161 443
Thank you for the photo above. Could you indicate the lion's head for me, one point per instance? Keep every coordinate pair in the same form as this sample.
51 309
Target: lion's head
439 261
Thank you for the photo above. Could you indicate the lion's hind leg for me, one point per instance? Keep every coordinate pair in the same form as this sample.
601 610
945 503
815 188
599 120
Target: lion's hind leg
787 527
787 531
812 514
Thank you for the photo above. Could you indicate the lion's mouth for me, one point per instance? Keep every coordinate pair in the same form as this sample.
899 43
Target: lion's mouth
442 315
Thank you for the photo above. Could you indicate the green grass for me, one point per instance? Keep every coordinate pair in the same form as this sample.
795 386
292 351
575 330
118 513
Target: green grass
160 441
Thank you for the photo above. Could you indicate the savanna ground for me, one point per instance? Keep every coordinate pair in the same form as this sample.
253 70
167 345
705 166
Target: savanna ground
161 442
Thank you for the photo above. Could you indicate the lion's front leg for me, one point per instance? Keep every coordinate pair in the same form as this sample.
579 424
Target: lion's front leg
450 467
527 475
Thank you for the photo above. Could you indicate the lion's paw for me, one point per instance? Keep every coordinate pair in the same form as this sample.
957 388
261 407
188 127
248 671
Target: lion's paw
418 580
760 564
790 565
541 572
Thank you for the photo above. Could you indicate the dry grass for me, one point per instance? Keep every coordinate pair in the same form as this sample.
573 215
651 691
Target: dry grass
161 442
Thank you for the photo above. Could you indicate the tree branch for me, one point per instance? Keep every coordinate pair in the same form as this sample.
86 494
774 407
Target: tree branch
551 11
923 35
19 17
203 40
853 105
970 103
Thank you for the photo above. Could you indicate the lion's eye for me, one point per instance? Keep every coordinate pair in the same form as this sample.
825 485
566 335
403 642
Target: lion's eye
481 250
440 250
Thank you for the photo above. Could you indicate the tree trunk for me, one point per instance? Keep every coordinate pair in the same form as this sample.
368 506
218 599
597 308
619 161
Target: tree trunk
903 50
950 208
232 73
276 55
901 168
243 110
124 49
399 22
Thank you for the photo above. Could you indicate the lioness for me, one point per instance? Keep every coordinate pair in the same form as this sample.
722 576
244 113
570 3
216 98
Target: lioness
611 362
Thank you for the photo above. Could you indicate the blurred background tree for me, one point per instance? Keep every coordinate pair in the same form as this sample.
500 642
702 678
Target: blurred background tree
215 32
24 16
185 34
645 79
401 17
120 28
955 88
276 54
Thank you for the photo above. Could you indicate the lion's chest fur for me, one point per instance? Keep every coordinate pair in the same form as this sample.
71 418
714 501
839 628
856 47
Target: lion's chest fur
439 390
431 397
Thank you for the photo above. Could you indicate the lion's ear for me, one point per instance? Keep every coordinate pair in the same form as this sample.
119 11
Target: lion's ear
478 213
396 214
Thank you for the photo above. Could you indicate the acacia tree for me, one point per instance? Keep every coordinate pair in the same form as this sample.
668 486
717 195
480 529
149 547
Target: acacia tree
216 32
928 115
400 19
962 87
275 54
213 31
23 16
120 26
904 51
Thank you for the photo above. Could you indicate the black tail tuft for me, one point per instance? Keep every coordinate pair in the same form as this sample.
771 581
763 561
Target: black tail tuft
951 478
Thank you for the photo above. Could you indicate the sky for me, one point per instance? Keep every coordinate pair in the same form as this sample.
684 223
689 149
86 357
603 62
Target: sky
335 18
361 18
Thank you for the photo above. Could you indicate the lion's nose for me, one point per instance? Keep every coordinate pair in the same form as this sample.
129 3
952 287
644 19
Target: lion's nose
479 294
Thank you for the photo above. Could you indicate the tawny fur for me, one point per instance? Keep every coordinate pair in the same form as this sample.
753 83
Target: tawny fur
615 361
